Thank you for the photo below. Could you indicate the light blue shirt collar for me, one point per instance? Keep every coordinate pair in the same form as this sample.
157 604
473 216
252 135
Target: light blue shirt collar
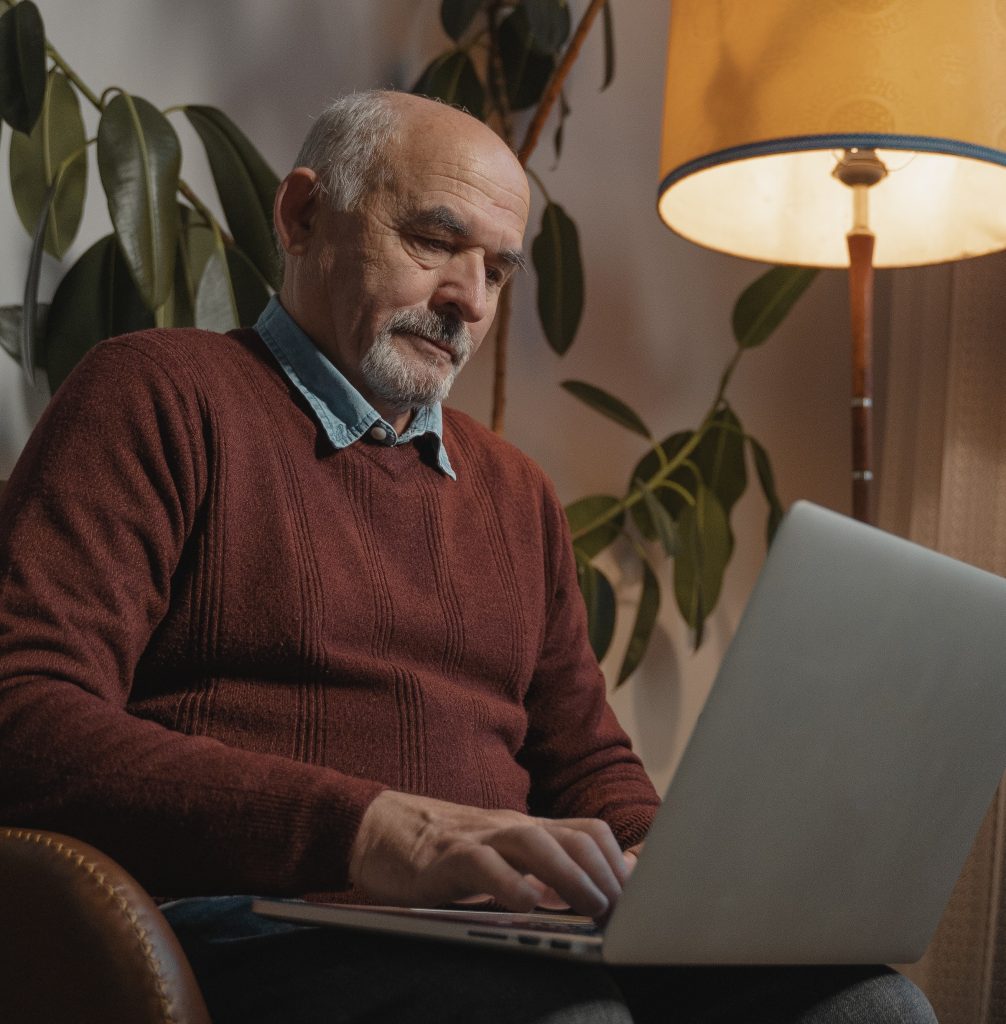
344 414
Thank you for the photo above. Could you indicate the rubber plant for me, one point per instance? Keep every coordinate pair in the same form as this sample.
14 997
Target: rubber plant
167 260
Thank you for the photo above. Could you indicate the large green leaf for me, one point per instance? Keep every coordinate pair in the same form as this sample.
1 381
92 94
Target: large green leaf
246 186
580 514
452 78
525 70
642 630
767 480
22 65
216 303
548 23
719 457
555 253
706 546
139 159
607 405
10 332
96 299
764 304
35 161
457 15
599 597
230 293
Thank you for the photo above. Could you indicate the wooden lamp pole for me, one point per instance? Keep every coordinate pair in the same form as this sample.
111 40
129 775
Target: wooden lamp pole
859 169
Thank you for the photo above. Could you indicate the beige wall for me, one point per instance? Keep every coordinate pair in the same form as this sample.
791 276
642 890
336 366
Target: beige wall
656 325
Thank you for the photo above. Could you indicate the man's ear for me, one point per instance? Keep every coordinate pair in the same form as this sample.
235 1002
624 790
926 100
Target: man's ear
296 207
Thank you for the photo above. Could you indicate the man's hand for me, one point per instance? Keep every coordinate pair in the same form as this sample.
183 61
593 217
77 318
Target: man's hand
416 851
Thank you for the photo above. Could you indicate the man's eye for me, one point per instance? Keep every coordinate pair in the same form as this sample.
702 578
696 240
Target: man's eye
435 244
495 277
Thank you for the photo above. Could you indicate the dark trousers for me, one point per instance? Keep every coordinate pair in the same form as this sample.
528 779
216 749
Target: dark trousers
255 970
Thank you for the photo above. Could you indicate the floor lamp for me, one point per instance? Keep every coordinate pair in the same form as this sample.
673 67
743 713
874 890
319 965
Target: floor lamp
834 133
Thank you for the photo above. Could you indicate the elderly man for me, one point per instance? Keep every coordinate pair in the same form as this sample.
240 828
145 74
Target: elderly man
273 621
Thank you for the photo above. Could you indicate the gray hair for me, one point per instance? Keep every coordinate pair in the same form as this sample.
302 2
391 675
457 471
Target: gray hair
348 147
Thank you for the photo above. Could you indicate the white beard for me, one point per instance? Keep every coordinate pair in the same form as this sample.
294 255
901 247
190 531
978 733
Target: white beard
412 380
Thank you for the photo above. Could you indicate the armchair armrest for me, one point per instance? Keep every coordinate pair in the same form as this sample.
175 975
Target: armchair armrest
82 942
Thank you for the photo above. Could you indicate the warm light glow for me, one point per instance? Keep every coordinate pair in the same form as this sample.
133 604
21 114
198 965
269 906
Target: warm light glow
762 99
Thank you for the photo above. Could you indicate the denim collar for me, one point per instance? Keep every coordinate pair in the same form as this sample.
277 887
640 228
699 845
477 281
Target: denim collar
344 414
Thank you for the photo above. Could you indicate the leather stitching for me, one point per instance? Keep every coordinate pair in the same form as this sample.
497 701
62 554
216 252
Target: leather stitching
142 936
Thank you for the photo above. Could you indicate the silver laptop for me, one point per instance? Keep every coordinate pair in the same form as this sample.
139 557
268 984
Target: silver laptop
833 785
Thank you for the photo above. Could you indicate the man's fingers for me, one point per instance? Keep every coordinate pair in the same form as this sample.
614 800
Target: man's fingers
579 862
537 851
588 855
606 842
481 869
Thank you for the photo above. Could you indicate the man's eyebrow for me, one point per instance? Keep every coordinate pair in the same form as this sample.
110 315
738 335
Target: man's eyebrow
440 217
444 219
515 258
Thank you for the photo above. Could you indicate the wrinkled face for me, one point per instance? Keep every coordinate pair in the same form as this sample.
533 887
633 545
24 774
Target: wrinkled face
402 290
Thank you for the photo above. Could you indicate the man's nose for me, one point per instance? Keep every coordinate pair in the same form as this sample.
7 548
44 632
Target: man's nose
462 287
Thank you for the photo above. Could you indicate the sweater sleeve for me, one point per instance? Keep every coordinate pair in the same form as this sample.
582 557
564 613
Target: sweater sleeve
580 760
92 525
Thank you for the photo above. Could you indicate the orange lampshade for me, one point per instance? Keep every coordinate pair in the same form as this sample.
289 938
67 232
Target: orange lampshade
763 98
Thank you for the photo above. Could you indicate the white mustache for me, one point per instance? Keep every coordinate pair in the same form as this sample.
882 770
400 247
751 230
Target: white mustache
440 328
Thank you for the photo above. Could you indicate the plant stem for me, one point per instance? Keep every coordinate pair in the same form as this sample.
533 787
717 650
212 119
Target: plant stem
635 495
727 374
202 209
537 180
81 85
557 80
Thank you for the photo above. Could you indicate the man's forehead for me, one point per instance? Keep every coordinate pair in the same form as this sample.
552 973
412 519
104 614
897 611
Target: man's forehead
467 168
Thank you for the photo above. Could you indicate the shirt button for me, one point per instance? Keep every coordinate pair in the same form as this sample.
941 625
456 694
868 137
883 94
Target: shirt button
378 433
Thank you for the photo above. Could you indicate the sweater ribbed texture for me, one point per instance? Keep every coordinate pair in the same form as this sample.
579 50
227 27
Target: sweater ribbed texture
220 638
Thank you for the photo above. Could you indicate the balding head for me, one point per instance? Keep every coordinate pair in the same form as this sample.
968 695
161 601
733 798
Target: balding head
352 143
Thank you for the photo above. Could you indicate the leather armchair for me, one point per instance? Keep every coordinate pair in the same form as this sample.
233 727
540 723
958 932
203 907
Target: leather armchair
82 943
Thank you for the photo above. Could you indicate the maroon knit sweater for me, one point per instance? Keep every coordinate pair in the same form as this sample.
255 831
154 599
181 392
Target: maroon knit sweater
220 638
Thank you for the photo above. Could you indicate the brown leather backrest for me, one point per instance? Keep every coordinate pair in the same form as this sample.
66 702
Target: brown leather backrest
81 942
